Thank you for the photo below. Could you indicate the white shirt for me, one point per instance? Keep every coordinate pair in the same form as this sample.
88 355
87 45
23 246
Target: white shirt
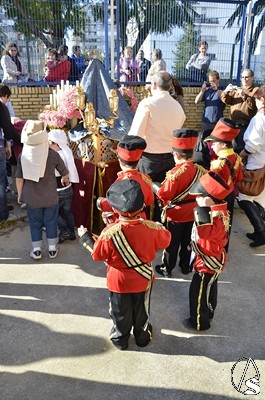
155 120
254 138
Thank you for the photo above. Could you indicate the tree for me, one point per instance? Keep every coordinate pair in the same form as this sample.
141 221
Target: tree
187 45
237 15
152 16
47 20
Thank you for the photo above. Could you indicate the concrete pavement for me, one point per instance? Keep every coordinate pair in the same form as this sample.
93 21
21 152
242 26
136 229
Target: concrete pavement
54 328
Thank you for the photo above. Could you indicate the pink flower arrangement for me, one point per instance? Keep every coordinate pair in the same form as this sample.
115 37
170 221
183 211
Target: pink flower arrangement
129 97
66 110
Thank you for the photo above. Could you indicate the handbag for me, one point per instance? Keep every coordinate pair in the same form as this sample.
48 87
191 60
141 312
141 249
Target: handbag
253 182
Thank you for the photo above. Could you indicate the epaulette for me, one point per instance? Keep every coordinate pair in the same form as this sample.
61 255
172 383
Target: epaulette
108 233
217 165
171 176
225 217
152 224
146 179
200 168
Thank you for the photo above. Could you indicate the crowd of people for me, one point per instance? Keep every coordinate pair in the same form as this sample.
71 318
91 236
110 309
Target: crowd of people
163 199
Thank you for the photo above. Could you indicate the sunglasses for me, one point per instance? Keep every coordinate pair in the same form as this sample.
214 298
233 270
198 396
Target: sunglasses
245 77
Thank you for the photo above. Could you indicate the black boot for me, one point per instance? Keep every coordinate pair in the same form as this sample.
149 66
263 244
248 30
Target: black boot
261 209
253 213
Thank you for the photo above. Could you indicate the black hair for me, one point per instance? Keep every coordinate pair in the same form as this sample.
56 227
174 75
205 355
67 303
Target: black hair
5 91
131 164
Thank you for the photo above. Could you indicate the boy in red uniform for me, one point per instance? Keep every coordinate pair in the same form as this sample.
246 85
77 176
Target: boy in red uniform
128 247
228 163
129 152
209 237
177 203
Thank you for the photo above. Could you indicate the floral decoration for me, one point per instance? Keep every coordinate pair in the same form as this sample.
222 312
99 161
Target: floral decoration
66 109
129 97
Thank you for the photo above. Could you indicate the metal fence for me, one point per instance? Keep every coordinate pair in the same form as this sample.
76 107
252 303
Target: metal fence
176 27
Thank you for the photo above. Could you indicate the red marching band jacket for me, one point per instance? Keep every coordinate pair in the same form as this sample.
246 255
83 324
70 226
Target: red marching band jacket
144 237
209 238
177 180
146 185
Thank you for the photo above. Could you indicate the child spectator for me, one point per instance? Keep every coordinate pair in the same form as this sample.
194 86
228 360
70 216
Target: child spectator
209 237
58 142
228 163
36 186
128 247
129 151
177 203
61 69
52 60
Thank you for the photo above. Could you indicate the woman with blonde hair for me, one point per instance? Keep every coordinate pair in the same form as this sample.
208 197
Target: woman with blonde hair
128 66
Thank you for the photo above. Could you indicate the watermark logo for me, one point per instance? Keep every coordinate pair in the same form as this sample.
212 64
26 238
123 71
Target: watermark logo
245 376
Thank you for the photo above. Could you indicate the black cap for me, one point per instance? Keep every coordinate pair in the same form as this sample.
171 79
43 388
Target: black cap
130 148
184 140
126 196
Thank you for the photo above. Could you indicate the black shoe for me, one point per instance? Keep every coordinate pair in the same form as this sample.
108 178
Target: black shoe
72 236
162 270
251 236
188 324
10 208
258 242
64 236
120 346
186 271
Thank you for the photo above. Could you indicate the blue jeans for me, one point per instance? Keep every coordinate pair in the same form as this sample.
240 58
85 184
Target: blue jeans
66 219
43 217
3 203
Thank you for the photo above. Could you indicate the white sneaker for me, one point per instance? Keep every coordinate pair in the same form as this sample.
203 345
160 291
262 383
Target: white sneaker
36 255
53 253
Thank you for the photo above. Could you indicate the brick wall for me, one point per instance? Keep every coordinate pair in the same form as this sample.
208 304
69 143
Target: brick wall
29 101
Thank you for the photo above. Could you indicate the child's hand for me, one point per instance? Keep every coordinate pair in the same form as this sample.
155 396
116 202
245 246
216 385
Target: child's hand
204 201
81 230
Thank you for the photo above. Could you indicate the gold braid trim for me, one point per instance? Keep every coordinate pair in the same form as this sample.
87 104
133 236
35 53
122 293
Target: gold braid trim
225 217
107 235
172 176
201 168
217 165
152 224
238 163
146 179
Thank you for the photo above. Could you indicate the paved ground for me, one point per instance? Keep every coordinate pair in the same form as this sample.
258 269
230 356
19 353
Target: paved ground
54 328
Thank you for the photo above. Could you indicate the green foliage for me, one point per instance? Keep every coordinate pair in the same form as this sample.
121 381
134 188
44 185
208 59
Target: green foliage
187 45
47 20
236 18
152 16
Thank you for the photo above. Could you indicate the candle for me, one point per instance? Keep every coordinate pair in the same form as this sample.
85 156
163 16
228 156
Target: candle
62 85
77 83
51 99
54 99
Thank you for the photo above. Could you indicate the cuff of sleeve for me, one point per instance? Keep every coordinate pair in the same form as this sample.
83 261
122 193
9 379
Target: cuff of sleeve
87 241
203 216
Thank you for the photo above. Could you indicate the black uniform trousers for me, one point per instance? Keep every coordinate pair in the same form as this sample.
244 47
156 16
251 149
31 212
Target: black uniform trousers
180 237
203 299
129 310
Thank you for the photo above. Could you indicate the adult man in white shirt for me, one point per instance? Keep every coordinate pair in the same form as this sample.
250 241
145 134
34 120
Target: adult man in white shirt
155 120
